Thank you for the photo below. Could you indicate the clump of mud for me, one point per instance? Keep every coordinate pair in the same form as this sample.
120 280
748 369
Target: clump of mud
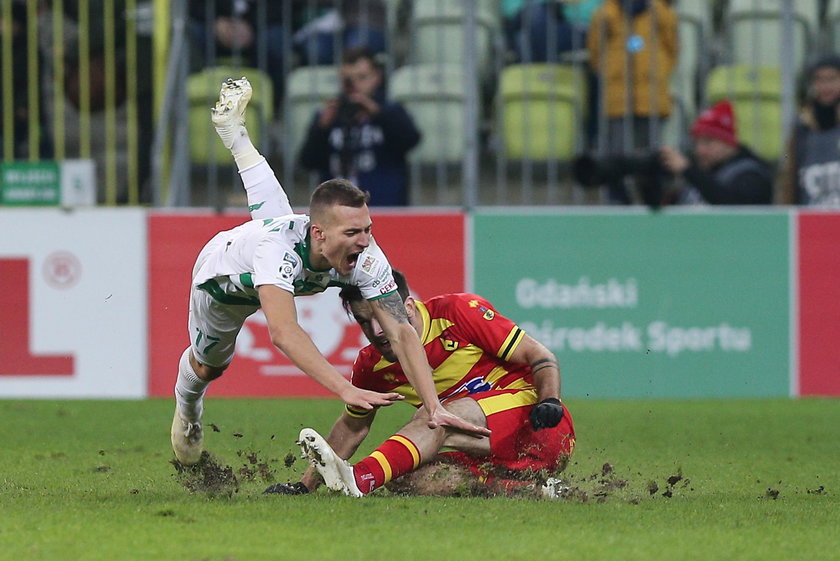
213 477
207 476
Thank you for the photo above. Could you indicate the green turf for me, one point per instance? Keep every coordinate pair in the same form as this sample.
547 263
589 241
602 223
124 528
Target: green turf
92 480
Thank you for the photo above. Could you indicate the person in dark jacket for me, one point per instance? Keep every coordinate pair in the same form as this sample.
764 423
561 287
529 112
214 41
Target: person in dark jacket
721 171
811 167
360 135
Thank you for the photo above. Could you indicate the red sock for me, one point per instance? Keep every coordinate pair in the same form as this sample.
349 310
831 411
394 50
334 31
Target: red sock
396 456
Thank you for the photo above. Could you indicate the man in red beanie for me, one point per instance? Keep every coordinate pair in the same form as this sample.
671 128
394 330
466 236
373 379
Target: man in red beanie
722 171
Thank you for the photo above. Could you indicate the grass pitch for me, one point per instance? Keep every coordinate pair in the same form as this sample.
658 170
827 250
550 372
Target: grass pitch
663 480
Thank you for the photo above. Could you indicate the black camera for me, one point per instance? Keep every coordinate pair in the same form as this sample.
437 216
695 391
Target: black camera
347 109
651 175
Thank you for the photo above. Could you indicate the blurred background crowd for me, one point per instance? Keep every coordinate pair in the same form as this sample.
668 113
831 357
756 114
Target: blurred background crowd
435 102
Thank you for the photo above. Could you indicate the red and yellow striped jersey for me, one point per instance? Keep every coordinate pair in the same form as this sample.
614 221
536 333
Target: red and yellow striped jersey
468 345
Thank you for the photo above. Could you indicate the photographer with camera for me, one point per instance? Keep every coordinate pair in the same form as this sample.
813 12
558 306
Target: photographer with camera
722 171
360 135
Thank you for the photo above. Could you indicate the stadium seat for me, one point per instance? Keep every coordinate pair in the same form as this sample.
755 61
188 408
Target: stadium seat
307 88
755 35
202 93
832 25
694 20
438 32
756 94
434 95
541 110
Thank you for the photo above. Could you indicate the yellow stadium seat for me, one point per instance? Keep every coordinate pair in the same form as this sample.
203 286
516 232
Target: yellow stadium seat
541 110
756 97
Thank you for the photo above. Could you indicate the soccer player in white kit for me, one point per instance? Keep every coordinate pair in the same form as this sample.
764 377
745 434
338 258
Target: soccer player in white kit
268 261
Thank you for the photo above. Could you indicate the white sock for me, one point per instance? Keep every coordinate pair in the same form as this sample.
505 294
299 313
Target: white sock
189 390
266 198
244 152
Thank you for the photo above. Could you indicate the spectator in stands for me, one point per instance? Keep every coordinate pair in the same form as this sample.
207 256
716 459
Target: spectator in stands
722 171
20 109
355 23
632 48
538 30
227 31
360 135
811 167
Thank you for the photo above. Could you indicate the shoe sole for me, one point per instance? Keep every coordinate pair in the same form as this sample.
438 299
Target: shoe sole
233 99
314 447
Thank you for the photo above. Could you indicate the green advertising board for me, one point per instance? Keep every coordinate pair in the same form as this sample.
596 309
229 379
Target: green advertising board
30 183
671 304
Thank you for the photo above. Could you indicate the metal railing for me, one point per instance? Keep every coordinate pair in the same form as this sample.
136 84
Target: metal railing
89 79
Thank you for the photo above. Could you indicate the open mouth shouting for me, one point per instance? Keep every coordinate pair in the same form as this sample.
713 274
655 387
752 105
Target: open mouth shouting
352 259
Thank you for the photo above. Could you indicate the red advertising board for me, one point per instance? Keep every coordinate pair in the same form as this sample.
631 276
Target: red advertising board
819 303
428 248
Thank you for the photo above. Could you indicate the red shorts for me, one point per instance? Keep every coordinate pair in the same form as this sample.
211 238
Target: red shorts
516 449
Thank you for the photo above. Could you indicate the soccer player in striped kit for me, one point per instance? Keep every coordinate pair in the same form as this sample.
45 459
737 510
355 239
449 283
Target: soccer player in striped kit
486 370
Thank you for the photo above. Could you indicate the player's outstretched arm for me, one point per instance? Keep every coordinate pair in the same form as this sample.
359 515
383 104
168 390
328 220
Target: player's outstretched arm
391 315
278 305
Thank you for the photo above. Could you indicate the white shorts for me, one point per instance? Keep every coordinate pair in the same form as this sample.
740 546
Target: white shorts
214 326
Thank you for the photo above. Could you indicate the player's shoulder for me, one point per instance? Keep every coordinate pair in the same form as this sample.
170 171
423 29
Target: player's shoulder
457 301
367 358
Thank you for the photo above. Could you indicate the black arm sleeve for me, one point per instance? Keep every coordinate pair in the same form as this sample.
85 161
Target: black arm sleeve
401 134
749 187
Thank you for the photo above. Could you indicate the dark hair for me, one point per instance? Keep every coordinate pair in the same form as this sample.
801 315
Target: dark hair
355 54
335 192
823 60
350 294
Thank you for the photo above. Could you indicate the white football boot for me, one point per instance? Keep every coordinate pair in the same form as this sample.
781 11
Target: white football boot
337 473
554 488
187 439
228 115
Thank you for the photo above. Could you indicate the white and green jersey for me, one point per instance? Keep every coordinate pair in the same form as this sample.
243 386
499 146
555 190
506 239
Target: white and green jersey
275 251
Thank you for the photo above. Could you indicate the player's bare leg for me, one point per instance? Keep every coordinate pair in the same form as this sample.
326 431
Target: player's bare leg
266 197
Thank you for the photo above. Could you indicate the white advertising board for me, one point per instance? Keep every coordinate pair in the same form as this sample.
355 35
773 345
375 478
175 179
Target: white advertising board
73 293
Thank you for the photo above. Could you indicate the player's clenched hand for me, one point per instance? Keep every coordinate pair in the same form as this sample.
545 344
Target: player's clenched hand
365 399
546 414
443 418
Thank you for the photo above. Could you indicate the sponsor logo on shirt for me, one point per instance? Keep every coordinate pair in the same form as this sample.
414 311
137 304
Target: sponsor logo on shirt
368 264
287 272
390 287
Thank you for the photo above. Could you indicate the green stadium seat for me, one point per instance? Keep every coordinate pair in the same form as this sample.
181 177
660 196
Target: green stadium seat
307 89
756 97
437 32
202 93
541 109
832 25
755 36
435 96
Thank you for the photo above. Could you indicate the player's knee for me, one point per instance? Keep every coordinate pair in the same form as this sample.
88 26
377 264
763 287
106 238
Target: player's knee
209 373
